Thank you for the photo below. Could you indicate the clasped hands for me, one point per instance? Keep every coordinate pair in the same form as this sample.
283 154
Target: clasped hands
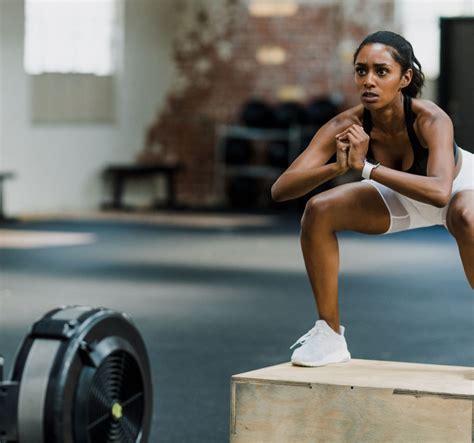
352 146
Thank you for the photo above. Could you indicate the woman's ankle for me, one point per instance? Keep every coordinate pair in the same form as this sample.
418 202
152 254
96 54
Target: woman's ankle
334 325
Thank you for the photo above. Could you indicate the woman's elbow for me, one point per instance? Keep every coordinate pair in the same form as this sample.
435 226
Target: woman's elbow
276 197
441 199
276 193
440 202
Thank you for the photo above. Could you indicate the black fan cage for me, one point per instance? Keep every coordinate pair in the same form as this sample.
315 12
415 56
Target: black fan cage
117 400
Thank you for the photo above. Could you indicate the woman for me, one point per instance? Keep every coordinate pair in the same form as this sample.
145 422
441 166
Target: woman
414 176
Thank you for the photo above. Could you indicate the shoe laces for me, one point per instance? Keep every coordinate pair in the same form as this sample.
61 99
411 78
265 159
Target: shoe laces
312 332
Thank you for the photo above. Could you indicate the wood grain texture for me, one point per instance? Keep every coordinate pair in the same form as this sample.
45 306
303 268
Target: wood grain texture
373 402
373 373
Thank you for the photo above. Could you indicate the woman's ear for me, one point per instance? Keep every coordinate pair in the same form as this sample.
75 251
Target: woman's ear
406 78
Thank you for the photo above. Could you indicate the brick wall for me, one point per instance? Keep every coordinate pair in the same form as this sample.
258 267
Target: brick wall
217 70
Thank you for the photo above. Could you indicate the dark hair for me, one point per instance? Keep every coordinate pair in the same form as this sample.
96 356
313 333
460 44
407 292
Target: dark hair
403 54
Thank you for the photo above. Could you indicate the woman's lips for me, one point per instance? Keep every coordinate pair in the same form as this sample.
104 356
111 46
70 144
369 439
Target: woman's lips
369 97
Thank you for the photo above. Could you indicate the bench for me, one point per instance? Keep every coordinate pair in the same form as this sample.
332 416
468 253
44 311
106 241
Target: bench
4 175
121 173
357 401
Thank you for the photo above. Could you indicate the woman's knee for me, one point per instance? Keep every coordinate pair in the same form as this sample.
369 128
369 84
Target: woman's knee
317 212
461 221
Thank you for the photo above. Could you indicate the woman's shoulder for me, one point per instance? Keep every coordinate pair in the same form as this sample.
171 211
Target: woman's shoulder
430 120
428 112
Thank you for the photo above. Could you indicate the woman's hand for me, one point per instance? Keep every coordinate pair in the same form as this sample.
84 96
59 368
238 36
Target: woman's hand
359 145
342 155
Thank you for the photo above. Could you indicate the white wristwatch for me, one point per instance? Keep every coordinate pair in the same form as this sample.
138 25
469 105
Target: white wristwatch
368 168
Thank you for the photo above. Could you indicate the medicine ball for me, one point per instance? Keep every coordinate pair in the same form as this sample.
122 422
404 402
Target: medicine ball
320 111
257 114
289 114
237 151
277 153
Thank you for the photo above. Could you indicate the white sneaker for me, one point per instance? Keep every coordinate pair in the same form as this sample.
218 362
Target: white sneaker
321 345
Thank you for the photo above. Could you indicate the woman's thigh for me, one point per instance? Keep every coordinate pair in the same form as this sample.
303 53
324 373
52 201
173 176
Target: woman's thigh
350 207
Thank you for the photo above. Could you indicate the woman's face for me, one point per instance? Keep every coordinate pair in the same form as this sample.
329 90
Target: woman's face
378 76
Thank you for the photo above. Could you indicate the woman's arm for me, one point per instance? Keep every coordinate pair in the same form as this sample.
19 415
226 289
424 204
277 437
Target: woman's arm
310 170
434 189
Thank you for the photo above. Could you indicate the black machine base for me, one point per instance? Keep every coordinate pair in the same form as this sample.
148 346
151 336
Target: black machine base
81 375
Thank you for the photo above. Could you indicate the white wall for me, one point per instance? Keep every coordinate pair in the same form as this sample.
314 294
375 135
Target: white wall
58 166
418 21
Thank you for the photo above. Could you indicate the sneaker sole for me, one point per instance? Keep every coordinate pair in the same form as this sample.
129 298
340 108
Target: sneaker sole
326 361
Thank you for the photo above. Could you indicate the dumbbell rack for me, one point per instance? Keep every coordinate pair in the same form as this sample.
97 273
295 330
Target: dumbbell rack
257 170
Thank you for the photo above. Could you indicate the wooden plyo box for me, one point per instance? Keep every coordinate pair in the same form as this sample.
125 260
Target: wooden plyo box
358 401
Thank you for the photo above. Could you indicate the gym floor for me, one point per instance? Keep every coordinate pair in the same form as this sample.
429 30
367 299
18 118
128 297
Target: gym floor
214 297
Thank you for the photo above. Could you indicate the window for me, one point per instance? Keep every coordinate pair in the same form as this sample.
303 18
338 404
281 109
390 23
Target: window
71 36
420 25
71 52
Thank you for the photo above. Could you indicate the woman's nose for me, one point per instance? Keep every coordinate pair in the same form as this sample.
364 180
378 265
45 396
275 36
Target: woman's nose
369 80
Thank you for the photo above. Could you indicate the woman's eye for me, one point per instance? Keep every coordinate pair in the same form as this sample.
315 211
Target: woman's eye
381 71
359 71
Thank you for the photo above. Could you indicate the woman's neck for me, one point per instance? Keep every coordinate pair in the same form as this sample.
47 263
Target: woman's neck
391 118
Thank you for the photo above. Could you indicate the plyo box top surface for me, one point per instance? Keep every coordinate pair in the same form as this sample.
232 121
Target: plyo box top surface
436 379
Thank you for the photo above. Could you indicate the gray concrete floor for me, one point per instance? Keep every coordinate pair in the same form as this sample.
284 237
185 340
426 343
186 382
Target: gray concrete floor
215 302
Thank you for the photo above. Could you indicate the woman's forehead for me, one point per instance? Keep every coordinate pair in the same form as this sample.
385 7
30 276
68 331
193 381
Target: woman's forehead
375 53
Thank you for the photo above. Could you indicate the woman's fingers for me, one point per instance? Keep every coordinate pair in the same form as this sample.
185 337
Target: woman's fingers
352 145
343 133
353 138
356 136
342 155
342 143
353 128
358 132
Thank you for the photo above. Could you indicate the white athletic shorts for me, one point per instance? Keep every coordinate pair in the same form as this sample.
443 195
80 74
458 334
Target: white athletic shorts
406 213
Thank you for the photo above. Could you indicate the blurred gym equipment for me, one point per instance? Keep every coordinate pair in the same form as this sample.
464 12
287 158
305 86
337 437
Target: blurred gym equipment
257 114
237 150
278 153
81 375
320 111
243 192
289 114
